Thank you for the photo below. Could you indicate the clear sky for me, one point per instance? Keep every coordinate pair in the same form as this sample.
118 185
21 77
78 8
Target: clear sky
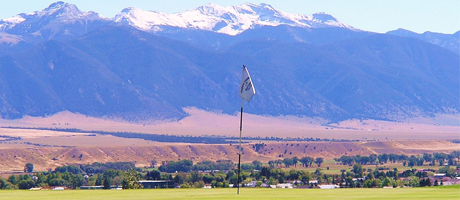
442 16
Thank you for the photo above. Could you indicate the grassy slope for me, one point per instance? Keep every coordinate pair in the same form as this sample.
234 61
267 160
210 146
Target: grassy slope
445 192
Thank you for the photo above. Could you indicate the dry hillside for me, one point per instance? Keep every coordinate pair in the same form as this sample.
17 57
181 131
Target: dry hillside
43 158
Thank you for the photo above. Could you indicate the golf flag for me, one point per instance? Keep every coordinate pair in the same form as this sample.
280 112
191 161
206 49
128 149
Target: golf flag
246 89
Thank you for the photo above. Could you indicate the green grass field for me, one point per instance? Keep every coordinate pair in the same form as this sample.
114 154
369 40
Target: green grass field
443 192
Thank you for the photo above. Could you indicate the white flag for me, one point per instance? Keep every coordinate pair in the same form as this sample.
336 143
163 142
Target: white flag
246 89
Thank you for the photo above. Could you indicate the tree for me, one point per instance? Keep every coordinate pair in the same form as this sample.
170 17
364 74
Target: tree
106 183
305 178
349 182
179 166
387 182
153 163
295 160
257 164
131 180
288 162
383 158
58 182
29 168
153 175
318 161
358 170
425 182
70 168
26 184
271 163
77 180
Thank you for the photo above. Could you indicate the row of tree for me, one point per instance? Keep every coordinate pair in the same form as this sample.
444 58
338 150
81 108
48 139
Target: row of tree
305 161
413 160
73 179
223 173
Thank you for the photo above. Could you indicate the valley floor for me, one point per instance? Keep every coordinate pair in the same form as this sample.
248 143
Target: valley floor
47 149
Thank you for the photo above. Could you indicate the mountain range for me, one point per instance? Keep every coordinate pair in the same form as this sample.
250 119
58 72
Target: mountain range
143 65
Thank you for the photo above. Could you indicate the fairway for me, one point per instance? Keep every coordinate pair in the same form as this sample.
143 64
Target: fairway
446 192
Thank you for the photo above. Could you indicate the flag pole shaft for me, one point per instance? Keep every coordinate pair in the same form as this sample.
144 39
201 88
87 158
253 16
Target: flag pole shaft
239 147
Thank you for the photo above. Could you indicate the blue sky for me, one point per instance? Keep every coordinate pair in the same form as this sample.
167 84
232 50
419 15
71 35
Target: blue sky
441 16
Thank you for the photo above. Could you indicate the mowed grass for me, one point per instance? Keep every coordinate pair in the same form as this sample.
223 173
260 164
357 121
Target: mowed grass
441 192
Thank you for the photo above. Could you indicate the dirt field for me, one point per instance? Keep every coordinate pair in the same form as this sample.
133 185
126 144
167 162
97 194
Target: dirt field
14 155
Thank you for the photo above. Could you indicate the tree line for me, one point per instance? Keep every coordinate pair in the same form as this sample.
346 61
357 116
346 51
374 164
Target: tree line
413 160
222 173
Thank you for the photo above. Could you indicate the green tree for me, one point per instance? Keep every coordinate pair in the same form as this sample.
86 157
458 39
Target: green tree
29 168
295 160
153 175
26 184
450 172
153 163
14 179
318 161
131 180
288 162
5 185
349 182
257 164
58 182
387 182
77 180
306 161
106 183
305 178
358 170
179 179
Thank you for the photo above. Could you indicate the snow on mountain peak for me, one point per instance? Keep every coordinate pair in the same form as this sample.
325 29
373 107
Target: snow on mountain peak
231 20
57 5
58 11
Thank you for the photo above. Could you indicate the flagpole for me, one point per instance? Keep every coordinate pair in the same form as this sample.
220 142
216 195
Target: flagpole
239 147
246 92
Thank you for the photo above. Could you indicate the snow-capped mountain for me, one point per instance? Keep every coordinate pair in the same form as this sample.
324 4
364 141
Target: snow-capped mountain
56 13
140 65
231 20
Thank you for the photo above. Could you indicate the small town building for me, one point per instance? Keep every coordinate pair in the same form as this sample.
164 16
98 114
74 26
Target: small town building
157 184
328 186
97 187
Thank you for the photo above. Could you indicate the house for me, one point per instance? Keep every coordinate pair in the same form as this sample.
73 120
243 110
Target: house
439 175
116 187
58 188
284 185
157 183
252 184
328 186
91 187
